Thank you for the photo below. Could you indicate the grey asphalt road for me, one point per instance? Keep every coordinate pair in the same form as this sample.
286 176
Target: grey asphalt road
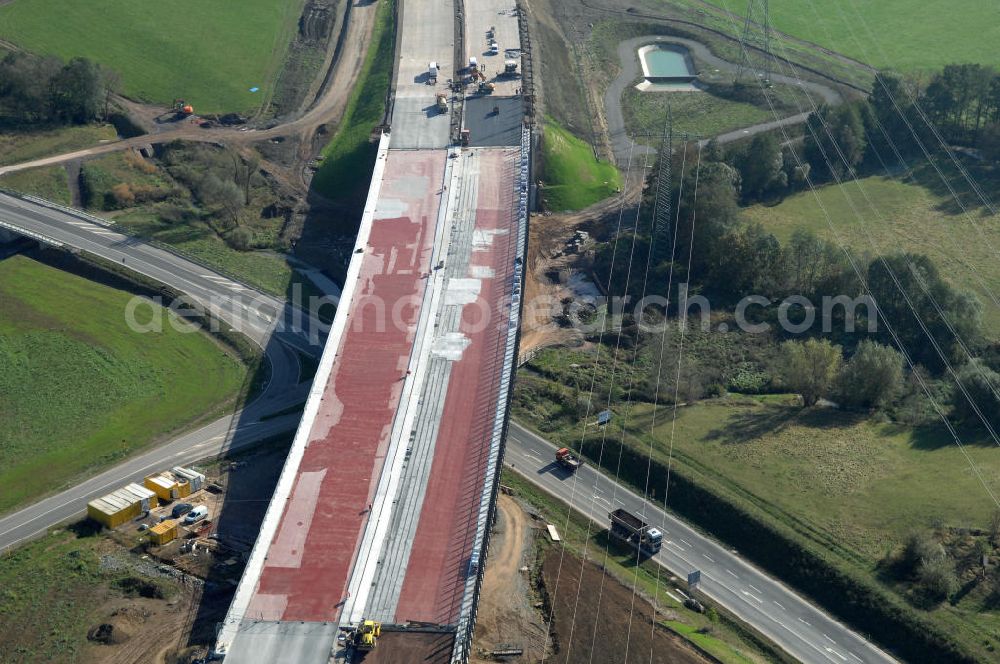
282 331
620 140
803 630
260 317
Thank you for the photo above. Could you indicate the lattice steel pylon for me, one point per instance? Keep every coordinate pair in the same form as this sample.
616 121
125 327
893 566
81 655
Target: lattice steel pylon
662 218
758 17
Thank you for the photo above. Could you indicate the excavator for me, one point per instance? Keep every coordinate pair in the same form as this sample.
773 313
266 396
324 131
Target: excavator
182 108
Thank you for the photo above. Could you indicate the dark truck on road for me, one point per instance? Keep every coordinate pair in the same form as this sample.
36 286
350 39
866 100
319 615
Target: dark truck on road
632 530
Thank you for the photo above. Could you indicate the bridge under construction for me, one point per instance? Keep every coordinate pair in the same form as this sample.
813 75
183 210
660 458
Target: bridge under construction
382 513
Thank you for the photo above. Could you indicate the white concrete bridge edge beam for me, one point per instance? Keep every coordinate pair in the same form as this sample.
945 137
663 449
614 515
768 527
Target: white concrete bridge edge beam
282 492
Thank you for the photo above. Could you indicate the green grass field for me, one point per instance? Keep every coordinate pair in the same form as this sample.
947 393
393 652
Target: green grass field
19 146
573 177
906 35
49 182
904 217
697 113
79 389
209 53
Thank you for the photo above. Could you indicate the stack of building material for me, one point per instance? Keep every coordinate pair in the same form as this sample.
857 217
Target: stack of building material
122 505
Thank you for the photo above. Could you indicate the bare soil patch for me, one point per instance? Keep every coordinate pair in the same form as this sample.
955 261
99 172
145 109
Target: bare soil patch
596 619
507 612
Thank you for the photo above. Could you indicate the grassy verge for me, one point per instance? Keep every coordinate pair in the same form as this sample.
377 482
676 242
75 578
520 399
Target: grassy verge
211 54
53 590
49 182
720 636
573 177
901 216
268 271
350 155
19 146
79 389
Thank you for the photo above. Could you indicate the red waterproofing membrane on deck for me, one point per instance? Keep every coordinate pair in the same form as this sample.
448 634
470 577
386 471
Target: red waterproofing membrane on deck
439 559
309 560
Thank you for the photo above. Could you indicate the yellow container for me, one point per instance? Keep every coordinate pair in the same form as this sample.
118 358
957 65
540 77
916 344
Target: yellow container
163 485
164 532
119 506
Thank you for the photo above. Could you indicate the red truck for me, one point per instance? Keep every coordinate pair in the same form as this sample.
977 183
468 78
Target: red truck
568 460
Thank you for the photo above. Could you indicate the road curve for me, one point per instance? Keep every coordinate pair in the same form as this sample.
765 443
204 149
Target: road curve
800 628
280 329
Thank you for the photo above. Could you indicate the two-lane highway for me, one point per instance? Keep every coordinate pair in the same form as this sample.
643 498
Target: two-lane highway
249 311
281 330
803 630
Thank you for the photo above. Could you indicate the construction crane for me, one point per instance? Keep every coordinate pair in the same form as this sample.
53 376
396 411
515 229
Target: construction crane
365 636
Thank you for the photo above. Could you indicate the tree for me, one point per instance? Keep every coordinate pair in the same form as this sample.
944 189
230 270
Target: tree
913 297
835 139
873 377
762 167
708 210
936 580
24 87
811 367
224 196
76 93
982 385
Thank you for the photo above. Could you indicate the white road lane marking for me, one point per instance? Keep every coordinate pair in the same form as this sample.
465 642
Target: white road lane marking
686 543
805 622
837 654
752 596
753 588
777 603
732 573
708 557
827 637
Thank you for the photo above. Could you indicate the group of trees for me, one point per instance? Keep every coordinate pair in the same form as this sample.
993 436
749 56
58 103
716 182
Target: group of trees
815 368
46 90
938 325
962 102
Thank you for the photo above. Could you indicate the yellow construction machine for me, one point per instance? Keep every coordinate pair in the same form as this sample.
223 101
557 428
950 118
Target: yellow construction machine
365 636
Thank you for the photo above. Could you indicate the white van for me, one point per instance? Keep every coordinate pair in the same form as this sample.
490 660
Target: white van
473 63
195 515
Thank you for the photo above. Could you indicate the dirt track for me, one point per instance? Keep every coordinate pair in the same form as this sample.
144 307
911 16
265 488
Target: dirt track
603 621
328 109
506 614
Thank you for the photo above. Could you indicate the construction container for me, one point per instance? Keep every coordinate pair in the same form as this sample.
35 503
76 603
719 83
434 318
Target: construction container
164 485
195 479
122 505
164 532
